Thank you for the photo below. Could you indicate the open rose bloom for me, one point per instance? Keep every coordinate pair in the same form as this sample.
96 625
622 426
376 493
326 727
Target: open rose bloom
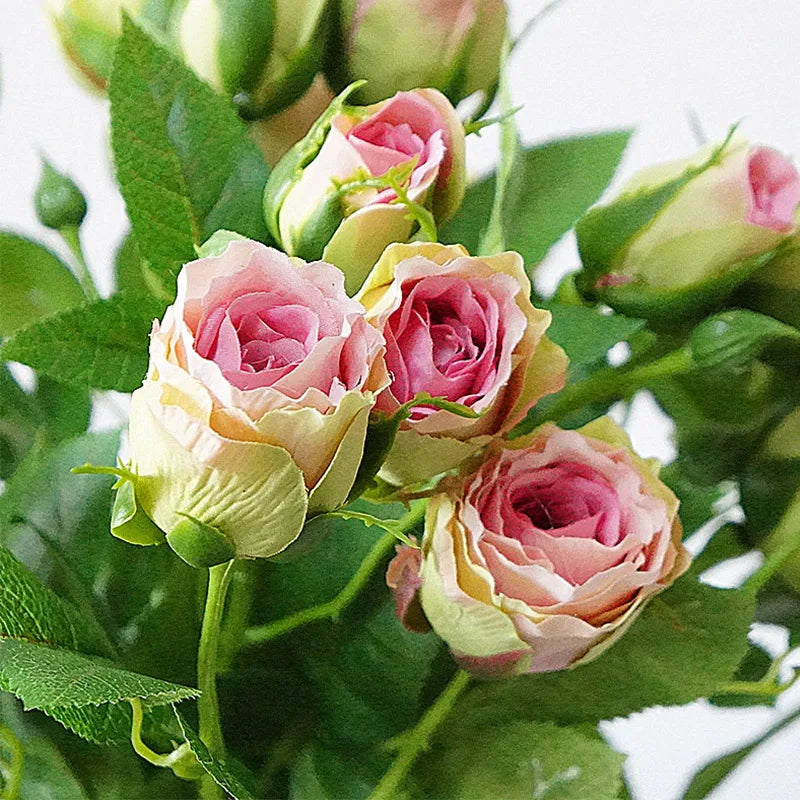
731 208
310 216
545 554
254 411
462 328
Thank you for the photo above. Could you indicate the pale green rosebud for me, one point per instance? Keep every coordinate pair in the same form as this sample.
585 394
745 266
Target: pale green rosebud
680 237
58 201
264 54
88 31
451 45
364 177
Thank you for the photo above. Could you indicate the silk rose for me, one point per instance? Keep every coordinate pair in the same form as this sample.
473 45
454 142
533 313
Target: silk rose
545 554
319 200
254 411
462 328
685 234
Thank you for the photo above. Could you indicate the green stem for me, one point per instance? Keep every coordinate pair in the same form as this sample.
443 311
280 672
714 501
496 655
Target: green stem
11 771
610 384
418 739
207 705
72 237
238 612
333 608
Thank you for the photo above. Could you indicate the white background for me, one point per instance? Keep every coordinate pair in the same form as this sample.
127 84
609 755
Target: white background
589 65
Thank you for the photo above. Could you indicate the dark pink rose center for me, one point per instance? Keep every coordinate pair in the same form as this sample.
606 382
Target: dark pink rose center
569 499
774 189
445 339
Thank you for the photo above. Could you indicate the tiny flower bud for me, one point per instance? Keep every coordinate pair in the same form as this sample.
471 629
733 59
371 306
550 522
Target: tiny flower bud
59 202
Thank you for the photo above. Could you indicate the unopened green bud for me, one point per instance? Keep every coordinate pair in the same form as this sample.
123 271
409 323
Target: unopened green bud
59 202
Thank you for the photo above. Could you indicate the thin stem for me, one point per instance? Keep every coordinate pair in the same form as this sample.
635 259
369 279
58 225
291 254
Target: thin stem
71 236
786 541
241 598
207 704
333 608
612 383
418 739
11 771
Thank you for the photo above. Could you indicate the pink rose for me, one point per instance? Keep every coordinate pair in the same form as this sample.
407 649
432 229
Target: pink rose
683 235
254 412
312 218
461 328
545 554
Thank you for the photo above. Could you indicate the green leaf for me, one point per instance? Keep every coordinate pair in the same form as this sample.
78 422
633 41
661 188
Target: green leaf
184 163
129 269
87 695
713 774
587 335
735 338
101 345
33 283
46 773
31 611
687 644
551 186
518 761
231 777
47 415
698 501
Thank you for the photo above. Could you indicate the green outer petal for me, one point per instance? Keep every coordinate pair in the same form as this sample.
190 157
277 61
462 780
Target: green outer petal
416 457
361 239
333 488
469 626
255 493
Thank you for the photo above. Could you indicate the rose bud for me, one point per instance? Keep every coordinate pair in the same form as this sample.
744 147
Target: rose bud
255 407
681 236
461 328
454 46
545 555
317 203
263 53
88 29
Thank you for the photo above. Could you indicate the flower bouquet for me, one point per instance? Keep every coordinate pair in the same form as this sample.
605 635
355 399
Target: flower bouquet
374 527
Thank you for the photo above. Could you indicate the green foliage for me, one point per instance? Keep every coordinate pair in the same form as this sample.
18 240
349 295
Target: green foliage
34 283
586 334
550 186
48 414
518 761
184 163
231 777
102 345
687 644
713 774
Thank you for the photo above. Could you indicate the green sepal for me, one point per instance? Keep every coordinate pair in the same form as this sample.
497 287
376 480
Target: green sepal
128 520
318 229
200 545
58 201
665 306
244 44
290 167
217 243
271 96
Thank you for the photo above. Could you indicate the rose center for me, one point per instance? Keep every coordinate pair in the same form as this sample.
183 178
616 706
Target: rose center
570 500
